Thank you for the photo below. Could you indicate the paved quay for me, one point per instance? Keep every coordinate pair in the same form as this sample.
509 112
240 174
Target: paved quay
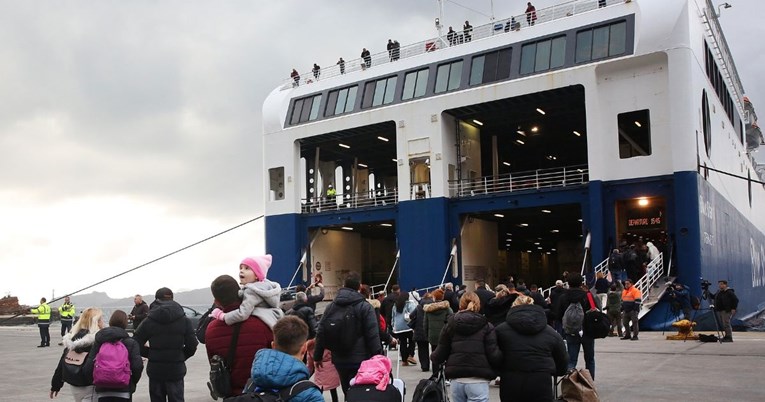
652 369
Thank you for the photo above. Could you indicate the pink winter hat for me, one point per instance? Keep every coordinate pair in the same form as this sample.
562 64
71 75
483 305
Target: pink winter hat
259 264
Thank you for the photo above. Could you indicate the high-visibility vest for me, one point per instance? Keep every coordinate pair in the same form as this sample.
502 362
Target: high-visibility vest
67 311
43 313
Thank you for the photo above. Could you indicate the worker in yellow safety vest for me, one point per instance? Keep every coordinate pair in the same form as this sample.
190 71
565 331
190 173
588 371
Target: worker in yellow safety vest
43 322
66 311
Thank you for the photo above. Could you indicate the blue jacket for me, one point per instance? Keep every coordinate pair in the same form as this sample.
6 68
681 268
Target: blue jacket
275 370
400 324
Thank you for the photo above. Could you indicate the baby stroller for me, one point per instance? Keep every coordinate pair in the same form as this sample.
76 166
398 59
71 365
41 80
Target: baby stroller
432 389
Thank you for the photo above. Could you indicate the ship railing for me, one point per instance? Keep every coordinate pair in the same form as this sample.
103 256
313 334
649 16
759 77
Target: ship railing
420 190
371 198
720 45
493 28
654 272
519 181
602 267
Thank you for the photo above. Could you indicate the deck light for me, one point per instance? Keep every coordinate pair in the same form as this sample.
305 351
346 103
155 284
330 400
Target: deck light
347 228
344 146
552 249
637 123
363 165
524 225
555 231
534 129
521 132
540 111
576 133
477 122
536 244
499 215
520 142
382 138
506 163
546 211
580 219
643 201
387 225
395 160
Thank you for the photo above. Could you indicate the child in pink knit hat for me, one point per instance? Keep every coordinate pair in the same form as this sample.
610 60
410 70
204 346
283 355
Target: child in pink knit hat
260 296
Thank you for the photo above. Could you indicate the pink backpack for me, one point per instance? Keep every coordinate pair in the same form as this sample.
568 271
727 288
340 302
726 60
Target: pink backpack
112 366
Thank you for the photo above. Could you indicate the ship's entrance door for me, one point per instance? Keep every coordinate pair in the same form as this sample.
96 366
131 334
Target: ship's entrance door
533 244
369 248
639 221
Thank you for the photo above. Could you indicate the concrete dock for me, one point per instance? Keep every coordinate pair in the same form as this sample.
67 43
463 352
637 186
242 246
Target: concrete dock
652 369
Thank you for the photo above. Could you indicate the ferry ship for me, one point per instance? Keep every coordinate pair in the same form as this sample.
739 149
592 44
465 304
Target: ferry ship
527 146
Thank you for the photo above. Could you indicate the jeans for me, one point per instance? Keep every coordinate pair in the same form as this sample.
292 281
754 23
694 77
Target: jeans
470 392
166 391
573 342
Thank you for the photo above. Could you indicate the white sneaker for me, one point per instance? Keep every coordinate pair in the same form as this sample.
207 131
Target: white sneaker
447 382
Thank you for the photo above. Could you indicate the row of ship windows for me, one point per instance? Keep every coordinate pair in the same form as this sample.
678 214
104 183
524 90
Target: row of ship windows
591 44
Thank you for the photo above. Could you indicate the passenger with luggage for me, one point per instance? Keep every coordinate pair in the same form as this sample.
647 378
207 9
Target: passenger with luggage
112 349
436 315
533 352
468 347
77 345
401 330
417 323
573 320
349 329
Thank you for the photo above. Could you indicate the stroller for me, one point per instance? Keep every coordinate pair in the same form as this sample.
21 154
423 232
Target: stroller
432 389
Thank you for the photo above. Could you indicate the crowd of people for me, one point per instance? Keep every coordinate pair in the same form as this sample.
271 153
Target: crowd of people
513 335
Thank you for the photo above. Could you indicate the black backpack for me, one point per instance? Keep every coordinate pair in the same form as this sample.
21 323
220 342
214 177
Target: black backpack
596 324
282 395
204 321
370 393
428 390
340 327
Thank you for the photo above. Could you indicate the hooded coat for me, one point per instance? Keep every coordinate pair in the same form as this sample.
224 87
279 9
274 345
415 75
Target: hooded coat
532 353
436 315
254 335
79 342
468 345
274 370
367 338
261 299
114 334
172 341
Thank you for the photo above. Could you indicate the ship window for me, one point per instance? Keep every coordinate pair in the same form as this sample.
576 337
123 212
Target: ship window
634 134
379 92
448 76
305 109
276 186
415 84
706 123
601 42
543 55
490 67
341 101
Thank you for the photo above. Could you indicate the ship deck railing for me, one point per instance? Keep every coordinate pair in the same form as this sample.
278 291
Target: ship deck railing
493 28
520 181
371 198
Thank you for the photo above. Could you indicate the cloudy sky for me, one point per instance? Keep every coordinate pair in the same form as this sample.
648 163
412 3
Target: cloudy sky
130 129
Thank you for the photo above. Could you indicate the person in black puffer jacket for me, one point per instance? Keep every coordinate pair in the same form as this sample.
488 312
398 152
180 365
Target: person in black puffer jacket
172 341
533 352
116 332
468 345
420 335
303 310
578 294
366 334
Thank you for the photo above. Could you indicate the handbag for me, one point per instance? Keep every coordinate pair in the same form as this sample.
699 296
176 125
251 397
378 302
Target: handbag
596 324
220 368
578 386
72 372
